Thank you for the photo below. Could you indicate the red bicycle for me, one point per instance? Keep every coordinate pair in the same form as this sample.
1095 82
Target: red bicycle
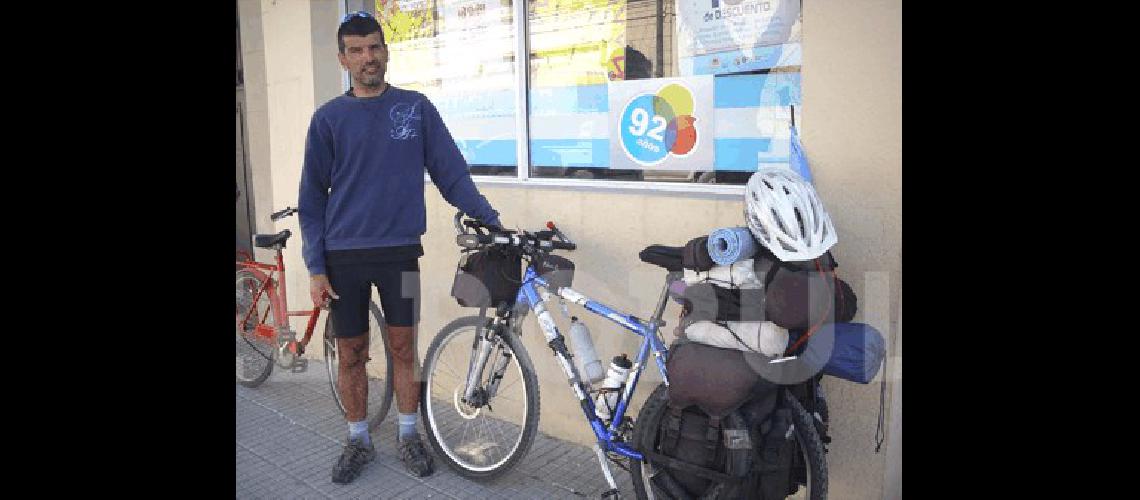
264 337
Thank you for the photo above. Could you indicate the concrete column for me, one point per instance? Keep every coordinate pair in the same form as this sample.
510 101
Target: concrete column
327 83
287 28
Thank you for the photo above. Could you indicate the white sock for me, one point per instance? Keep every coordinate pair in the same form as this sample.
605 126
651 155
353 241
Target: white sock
407 423
359 431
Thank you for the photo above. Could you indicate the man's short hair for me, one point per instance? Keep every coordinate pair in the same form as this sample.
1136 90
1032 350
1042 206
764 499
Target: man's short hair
358 25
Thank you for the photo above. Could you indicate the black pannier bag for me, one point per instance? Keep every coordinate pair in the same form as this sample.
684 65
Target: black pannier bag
487 278
716 403
557 270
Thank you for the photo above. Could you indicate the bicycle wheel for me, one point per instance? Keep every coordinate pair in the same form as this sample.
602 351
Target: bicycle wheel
254 352
482 440
378 368
811 453
807 440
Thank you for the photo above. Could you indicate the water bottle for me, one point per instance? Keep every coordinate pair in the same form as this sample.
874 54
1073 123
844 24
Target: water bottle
584 350
612 387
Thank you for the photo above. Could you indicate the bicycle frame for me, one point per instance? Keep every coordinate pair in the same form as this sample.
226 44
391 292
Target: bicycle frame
529 295
279 301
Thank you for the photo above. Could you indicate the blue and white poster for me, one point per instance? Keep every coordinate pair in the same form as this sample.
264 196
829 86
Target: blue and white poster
729 36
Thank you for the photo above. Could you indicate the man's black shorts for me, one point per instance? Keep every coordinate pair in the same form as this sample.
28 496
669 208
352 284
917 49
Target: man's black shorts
398 283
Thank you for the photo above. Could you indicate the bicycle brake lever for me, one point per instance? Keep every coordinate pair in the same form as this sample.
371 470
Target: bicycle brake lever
558 232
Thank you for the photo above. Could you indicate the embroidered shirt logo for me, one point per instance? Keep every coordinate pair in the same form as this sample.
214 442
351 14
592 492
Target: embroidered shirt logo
404 117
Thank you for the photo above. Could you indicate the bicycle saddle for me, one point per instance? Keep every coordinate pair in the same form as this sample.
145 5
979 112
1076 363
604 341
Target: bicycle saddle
661 255
269 240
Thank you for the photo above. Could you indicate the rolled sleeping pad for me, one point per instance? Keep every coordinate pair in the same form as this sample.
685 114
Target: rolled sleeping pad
731 244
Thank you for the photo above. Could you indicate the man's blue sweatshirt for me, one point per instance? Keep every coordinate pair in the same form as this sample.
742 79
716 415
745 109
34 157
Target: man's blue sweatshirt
362 181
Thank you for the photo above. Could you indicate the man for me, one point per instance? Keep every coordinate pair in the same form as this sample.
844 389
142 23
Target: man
362 212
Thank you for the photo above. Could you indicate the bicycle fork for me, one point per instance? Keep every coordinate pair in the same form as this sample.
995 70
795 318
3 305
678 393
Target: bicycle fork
475 393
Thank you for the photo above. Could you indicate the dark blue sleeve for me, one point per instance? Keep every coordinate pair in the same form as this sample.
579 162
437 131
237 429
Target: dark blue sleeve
313 195
448 169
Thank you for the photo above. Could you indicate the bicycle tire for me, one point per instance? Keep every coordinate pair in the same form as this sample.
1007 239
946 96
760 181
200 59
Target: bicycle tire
247 283
377 408
530 390
809 445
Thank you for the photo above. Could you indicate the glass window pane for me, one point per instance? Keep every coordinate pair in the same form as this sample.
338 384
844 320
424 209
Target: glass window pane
662 90
461 55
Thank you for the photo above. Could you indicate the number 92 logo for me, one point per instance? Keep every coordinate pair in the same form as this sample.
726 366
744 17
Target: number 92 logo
654 126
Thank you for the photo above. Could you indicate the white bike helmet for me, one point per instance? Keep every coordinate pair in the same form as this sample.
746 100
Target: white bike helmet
785 215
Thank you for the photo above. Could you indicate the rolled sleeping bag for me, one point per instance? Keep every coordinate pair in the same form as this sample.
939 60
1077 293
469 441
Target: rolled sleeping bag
741 274
764 337
731 244
850 351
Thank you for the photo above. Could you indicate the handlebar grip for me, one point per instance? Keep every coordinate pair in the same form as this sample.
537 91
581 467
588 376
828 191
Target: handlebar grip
471 240
476 240
559 245
282 213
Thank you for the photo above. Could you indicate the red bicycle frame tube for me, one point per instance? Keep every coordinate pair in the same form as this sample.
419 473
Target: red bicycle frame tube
283 301
266 286
277 296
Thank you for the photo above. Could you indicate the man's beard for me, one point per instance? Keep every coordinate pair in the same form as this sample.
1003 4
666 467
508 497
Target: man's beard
371 80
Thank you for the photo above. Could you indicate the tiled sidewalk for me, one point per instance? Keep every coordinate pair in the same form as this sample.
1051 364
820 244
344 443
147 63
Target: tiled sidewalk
289 434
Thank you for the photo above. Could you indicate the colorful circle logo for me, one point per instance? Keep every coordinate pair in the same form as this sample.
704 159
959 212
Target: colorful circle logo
653 126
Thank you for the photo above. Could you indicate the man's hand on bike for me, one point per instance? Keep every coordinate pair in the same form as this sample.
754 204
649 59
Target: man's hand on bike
320 290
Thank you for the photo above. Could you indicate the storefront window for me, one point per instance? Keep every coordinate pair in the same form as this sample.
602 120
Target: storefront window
661 90
461 55
686 91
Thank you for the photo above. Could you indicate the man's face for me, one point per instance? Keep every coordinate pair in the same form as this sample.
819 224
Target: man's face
365 58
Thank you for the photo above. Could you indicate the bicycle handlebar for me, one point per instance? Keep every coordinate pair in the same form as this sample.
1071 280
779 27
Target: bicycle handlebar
275 216
491 235
514 240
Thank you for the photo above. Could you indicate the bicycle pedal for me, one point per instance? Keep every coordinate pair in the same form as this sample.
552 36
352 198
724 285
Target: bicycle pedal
300 365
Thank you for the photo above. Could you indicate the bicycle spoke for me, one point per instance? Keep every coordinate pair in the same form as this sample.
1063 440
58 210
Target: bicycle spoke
508 386
502 440
487 439
450 371
452 433
466 426
499 397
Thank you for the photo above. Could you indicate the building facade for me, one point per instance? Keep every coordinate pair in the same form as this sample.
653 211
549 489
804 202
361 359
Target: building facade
641 121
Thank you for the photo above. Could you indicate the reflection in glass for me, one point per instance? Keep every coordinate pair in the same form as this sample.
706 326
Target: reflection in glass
460 54
675 91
